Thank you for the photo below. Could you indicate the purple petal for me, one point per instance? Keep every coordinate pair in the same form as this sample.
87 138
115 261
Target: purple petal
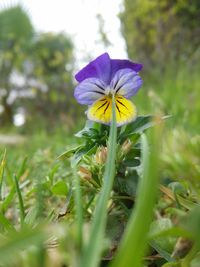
118 64
98 68
126 82
89 91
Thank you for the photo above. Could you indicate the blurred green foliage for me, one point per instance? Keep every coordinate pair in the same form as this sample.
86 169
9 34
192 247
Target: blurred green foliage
16 33
51 66
15 26
159 33
36 71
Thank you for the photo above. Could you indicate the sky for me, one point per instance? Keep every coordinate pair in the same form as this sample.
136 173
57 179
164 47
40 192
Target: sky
77 18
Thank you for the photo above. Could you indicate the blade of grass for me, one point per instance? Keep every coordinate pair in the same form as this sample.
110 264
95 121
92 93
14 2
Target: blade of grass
92 251
78 205
134 242
8 199
22 167
21 203
39 195
6 224
2 167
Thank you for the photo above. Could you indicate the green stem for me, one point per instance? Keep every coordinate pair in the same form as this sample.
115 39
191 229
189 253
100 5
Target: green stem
134 242
92 251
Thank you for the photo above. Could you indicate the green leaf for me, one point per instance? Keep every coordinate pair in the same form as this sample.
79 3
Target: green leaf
67 154
60 188
165 243
166 255
139 125
126 185
86 150
88 125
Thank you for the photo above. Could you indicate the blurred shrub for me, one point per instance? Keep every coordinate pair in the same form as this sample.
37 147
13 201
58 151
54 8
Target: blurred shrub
51 69
157 32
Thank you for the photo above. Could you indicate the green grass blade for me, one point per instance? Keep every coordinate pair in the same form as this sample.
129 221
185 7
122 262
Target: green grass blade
134 242
78 205
5 223
21 203
92 252
22 168
2 167
6 202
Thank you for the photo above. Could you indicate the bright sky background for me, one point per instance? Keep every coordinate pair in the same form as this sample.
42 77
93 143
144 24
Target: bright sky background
78 19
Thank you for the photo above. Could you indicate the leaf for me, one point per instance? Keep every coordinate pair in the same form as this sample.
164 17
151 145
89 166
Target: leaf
86 150
60 188
188 204
94 133
132 159
138 126
88 125
166 243
67 154
126 185
52 172
161 251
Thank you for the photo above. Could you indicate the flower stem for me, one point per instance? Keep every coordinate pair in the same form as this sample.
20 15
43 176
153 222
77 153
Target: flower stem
92 251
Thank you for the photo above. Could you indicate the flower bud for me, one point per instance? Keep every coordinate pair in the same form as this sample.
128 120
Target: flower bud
84 173
101 155
126 146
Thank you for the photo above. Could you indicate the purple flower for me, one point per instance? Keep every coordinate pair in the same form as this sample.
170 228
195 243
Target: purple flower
102 78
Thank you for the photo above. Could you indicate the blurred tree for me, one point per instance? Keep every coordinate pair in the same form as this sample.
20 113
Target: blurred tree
103 35
161 31
36 69
16 33
52 60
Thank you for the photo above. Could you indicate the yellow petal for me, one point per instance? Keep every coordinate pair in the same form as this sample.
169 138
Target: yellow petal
101 110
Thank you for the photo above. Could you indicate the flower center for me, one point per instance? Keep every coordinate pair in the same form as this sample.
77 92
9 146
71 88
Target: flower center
109 91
